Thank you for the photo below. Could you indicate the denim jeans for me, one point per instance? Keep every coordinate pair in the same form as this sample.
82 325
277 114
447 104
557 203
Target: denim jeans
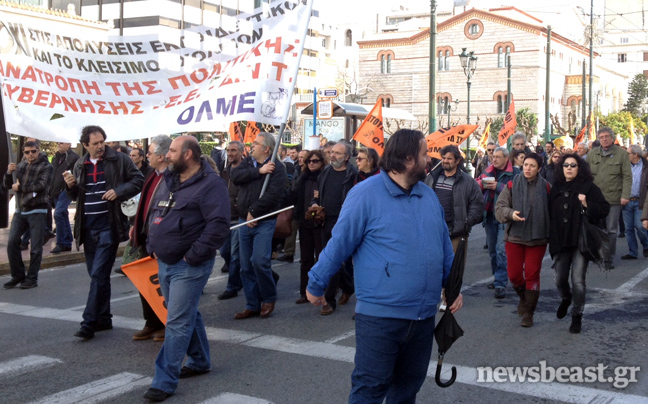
611 227
255 250
34 222
100 250
632 219
182 286
234 282
495 240
571 259
391 360
62 220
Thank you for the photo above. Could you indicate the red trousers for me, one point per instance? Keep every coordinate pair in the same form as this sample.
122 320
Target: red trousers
524 263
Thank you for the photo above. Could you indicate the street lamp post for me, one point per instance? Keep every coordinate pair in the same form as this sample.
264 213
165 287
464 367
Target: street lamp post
449 106
469 64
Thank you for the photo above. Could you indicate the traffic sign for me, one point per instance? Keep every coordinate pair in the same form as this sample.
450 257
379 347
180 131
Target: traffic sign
327 93
325 109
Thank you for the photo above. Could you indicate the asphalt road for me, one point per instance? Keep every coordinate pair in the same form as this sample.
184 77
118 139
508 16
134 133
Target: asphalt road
298 356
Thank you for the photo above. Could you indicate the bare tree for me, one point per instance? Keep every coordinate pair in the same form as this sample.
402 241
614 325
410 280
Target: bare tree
356 90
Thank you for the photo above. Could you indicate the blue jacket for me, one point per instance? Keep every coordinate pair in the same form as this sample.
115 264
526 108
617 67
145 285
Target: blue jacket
196 223
401 249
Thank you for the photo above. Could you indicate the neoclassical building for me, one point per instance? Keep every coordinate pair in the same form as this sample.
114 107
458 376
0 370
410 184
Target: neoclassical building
397 66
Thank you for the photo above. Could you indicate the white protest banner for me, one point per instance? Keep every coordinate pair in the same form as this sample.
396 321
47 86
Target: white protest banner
54 83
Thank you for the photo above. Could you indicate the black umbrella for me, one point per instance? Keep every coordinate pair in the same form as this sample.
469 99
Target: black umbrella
447 331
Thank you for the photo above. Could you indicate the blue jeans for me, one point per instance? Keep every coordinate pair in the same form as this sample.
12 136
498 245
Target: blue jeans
100 251
495 240
255 250
62 220
182 286
391 360
632 219
234 282
34 222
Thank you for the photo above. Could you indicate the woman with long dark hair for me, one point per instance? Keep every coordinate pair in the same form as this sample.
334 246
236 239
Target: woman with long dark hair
310 238
367 161
573 198
552 166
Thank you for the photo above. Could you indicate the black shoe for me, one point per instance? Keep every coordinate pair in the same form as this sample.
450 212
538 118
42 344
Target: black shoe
24 247
84 333
575 327
286 258
500 293
28 284
186 372
103 327
621 235
491 285
228 294
275 276
225 268
645 252
485 246
562 309
48 236
156 394
119 271
12 283
59 249
628 257
608 265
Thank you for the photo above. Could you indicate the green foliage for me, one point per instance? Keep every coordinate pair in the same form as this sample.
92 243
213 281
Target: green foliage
620 123
207 147
637 95
496 126
527 122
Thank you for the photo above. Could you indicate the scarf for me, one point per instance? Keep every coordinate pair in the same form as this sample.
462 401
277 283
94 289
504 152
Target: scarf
531 199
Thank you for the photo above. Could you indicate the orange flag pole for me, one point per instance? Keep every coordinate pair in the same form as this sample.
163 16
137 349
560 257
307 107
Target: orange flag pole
370 133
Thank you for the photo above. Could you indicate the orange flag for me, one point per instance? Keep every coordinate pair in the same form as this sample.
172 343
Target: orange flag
510 123
235 131
483 142
370 133
144 275
447 136
581 136
251 132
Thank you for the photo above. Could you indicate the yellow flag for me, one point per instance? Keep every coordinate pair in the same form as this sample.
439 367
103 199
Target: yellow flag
483 142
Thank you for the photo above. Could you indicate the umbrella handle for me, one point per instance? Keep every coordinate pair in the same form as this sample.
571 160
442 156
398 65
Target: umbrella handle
437 376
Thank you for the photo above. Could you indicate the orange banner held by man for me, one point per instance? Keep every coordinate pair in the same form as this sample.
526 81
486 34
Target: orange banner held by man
447 136
483 142
510 123
235 132
144 275
251 132
370 133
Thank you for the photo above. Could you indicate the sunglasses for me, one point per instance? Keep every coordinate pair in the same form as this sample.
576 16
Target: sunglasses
313 161
572 165
30 152
360 159
490 150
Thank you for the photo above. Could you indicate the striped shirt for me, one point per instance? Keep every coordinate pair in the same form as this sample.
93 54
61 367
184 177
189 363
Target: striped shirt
95 208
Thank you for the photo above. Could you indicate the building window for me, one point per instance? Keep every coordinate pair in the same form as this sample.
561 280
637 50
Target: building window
645 55
383 66
386 100
507 56
622 57
443 104
324 43
389 59
441 59
474 29
500 57
624 40
349 38
346 64
447 60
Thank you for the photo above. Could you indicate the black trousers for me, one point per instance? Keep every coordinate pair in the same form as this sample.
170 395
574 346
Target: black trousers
341 279
152 320
310 246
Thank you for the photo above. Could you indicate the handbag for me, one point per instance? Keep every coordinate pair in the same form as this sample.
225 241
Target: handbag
283 228
591 239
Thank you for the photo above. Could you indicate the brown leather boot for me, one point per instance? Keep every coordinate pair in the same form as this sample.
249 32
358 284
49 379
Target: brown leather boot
531 297
522 305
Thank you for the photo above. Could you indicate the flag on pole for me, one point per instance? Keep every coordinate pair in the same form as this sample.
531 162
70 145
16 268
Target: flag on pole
447 136
370 133
581 135
483 142
144 275
510 123
251 132
235 132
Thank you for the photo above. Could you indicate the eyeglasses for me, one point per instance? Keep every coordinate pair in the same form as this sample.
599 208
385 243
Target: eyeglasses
313 161
30 152
572 165
360 159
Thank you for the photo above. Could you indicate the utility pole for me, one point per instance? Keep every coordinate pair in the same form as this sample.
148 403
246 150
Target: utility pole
591 66
584 97
432 90
547 132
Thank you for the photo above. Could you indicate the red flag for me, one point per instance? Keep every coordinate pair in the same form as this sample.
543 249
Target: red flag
251 132
370 133
510 123
235 132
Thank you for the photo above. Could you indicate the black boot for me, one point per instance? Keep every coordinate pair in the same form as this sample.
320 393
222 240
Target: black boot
531 303
575 327
562 309
520 290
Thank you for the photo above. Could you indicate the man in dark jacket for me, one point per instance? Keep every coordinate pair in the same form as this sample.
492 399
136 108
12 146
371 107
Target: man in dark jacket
100 182
255 238
33 176
334 184
63 161
139 159
188 223
632 211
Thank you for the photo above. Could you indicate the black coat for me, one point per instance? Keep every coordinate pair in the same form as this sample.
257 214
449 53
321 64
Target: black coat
565 212
61 163
250 182
306 183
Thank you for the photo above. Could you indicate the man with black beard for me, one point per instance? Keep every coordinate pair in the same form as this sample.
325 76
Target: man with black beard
393 225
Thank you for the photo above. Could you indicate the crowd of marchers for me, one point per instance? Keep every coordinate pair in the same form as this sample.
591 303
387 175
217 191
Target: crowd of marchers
359 217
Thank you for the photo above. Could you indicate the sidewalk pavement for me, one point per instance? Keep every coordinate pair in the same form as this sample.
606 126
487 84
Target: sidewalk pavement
49 260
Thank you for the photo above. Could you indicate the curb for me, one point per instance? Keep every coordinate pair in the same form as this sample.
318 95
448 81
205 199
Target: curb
58 260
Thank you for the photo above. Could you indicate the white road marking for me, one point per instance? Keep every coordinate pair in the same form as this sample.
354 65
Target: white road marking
231 398
340 337
26 364
634 281
97 390
569 393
